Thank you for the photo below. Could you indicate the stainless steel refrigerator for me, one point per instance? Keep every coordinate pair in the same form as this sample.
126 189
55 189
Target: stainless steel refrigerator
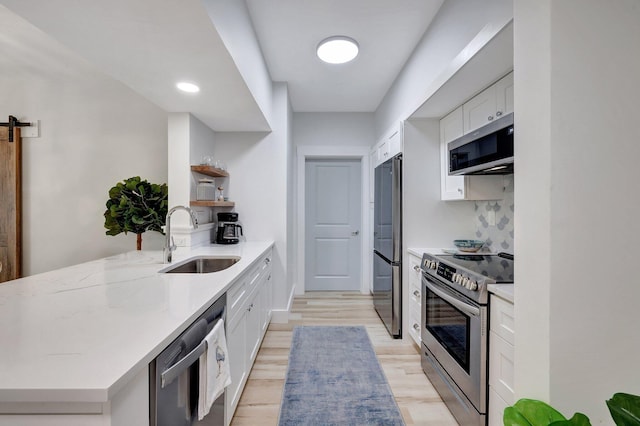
387 244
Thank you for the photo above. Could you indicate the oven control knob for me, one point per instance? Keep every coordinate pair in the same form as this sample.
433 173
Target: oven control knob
473 285
465 282
456 278
433 264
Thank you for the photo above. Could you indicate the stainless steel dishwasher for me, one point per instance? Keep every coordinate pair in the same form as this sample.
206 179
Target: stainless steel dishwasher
173 376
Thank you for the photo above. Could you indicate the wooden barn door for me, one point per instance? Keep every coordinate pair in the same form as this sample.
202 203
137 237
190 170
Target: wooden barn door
10 205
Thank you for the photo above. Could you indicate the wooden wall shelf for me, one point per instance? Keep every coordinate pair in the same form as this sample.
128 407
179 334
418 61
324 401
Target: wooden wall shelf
199 203
209 171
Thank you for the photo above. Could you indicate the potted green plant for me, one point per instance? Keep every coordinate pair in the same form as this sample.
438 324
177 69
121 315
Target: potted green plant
624 409
532 412
137 206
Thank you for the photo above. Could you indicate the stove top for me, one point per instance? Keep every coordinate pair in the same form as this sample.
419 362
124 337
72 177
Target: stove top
497 267
469 274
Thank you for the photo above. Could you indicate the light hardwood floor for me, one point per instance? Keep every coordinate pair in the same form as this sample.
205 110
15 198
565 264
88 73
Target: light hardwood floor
419 403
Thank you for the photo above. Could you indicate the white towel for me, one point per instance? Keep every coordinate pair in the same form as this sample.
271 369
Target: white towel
214 369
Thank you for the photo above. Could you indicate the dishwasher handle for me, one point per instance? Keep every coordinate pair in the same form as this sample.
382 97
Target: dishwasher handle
171 373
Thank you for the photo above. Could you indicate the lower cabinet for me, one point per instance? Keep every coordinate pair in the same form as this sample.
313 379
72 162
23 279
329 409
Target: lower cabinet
415 298
501 355
249 312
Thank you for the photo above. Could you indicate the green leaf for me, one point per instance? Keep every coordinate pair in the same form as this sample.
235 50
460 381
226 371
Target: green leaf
135 205
512 417
578 419
537 412
625 409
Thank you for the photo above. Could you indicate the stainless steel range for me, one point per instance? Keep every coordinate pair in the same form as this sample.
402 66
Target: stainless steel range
454 327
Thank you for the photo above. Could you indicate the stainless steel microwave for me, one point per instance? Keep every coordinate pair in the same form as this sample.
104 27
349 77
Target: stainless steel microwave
487 150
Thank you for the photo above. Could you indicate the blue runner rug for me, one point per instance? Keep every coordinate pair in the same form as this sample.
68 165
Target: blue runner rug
334 378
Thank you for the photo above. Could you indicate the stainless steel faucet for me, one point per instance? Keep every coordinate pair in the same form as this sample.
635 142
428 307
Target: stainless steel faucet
169 246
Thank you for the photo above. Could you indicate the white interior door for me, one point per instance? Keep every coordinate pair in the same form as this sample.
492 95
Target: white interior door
333 219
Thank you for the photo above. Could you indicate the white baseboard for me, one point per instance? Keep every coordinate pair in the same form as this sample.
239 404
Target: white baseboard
282 316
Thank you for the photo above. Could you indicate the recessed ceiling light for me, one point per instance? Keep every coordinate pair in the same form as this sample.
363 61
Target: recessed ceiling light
187 87
337 50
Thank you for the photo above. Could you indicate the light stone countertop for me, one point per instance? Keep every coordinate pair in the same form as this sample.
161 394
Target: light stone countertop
80 333
504 291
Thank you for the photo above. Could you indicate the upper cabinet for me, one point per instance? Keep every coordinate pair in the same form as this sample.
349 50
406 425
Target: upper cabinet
488 105
390 145
451 127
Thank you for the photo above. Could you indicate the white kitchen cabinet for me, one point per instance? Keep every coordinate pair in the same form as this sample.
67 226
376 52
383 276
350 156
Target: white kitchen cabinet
451 127
415 298
504 95
490 104
249 311
390 145
501 356
463 187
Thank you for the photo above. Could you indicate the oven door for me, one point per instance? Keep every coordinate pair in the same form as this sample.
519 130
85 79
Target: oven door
454 331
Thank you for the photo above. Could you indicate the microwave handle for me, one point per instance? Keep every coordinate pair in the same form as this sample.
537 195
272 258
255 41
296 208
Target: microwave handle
464 307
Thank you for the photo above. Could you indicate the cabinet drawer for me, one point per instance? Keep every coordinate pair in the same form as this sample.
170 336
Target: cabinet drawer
235 297
496 408
415 294
502 319
501 367
414 322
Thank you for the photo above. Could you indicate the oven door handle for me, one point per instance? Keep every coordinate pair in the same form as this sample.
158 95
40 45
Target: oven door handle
464 307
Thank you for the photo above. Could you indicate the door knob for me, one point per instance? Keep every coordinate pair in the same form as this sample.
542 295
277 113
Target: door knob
355 233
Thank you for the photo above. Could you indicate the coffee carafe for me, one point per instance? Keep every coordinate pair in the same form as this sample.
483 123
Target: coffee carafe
229 230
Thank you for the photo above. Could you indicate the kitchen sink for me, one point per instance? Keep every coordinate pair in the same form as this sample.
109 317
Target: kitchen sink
203 265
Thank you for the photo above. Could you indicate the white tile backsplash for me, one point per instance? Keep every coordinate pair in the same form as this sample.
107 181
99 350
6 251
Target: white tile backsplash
499 237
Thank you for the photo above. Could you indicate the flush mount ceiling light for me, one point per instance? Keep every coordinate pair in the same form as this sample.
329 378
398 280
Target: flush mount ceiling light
337 50
187 87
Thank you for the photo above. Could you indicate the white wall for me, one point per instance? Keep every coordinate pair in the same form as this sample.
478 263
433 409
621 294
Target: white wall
258 164
334 134
95 132
189 140
233 23
427 221
576 87
333 128
455 25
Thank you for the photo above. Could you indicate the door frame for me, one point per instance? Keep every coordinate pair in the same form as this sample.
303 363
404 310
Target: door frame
337 152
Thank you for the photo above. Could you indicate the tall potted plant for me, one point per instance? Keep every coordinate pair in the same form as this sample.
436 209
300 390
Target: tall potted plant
137 206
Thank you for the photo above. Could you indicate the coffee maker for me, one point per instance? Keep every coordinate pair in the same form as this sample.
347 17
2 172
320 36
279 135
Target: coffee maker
229 230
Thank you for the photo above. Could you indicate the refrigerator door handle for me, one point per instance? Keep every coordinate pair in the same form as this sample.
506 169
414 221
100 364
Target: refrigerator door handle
396 212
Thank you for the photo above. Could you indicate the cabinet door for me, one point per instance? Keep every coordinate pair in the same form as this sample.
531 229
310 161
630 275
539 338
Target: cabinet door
496 408
394 140
383 151
504 95
451 127
480 110
237 348
501 367
267 294
254 327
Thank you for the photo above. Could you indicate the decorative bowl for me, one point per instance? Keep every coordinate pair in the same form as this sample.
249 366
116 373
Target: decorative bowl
470 246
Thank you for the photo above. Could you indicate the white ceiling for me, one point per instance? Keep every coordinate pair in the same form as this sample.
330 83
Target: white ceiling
387 31
150 44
